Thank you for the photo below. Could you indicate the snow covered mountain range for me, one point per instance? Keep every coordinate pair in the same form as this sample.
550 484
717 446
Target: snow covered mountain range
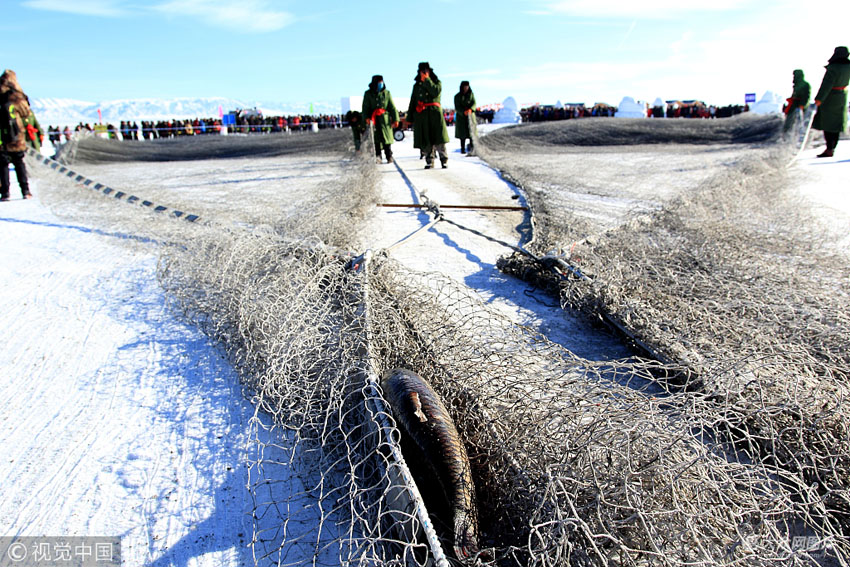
62 112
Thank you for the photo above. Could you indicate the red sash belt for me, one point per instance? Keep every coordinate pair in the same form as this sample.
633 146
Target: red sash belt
31 132
839 88
790 102
378 112
420 106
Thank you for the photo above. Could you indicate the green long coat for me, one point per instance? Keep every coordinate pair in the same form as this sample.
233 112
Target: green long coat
31 125
802 90
464 102
429 126
798 99
373 100
832 113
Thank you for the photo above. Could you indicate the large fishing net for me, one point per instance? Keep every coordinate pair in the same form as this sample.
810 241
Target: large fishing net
575 462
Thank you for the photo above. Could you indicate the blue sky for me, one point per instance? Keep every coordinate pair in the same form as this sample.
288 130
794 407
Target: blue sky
534 50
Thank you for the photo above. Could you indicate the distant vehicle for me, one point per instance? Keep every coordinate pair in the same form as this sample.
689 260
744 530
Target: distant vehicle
398 131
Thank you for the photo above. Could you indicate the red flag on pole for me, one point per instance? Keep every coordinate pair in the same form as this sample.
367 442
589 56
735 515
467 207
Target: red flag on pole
99 116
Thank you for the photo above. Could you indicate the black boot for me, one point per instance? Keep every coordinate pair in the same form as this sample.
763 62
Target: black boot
469 151
463 146
831 139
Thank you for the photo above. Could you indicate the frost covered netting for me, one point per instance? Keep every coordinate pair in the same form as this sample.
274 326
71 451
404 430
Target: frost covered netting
92 149
574 462
311 186
736 280
572 465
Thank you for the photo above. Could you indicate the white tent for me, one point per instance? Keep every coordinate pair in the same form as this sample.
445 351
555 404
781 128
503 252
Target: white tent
770 103
629 108
509 113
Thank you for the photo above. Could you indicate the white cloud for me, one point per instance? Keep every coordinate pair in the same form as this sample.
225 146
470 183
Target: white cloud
570 81
476 73
630 9
106 8
248 16
752 53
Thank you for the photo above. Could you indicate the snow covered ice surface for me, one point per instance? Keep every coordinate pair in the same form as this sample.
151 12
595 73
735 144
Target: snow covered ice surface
118 419
468 257
825 183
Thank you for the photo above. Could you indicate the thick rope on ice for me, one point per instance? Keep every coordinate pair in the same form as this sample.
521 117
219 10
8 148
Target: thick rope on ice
105 190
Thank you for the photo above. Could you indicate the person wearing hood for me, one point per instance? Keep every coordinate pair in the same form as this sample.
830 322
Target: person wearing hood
429 125
798 100
379 109
464 115
831 100
17 126
355 122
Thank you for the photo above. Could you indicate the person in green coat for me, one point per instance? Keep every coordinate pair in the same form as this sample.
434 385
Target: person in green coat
429 125
831 100
35 135
798 100
379 109
464 114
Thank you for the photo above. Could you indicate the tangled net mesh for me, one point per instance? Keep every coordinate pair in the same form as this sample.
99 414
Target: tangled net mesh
575 462
572 465
737 282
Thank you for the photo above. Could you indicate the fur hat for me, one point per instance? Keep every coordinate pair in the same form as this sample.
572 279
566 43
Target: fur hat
424 66
9 81
375 80
13 93
840 55
464 84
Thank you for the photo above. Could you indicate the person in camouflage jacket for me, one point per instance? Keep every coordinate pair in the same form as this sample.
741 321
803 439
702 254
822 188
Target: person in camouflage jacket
464 115
429 125
379 108
17 126
831 100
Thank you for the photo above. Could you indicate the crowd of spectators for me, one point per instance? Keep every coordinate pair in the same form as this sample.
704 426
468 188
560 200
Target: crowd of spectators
672 109
253 122
696 109
547 112
239 123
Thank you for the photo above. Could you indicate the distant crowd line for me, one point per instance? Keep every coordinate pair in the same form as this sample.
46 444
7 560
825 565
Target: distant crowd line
152 130
258 124
677 109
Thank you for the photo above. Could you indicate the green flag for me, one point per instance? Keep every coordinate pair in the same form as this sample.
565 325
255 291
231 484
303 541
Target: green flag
311 108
